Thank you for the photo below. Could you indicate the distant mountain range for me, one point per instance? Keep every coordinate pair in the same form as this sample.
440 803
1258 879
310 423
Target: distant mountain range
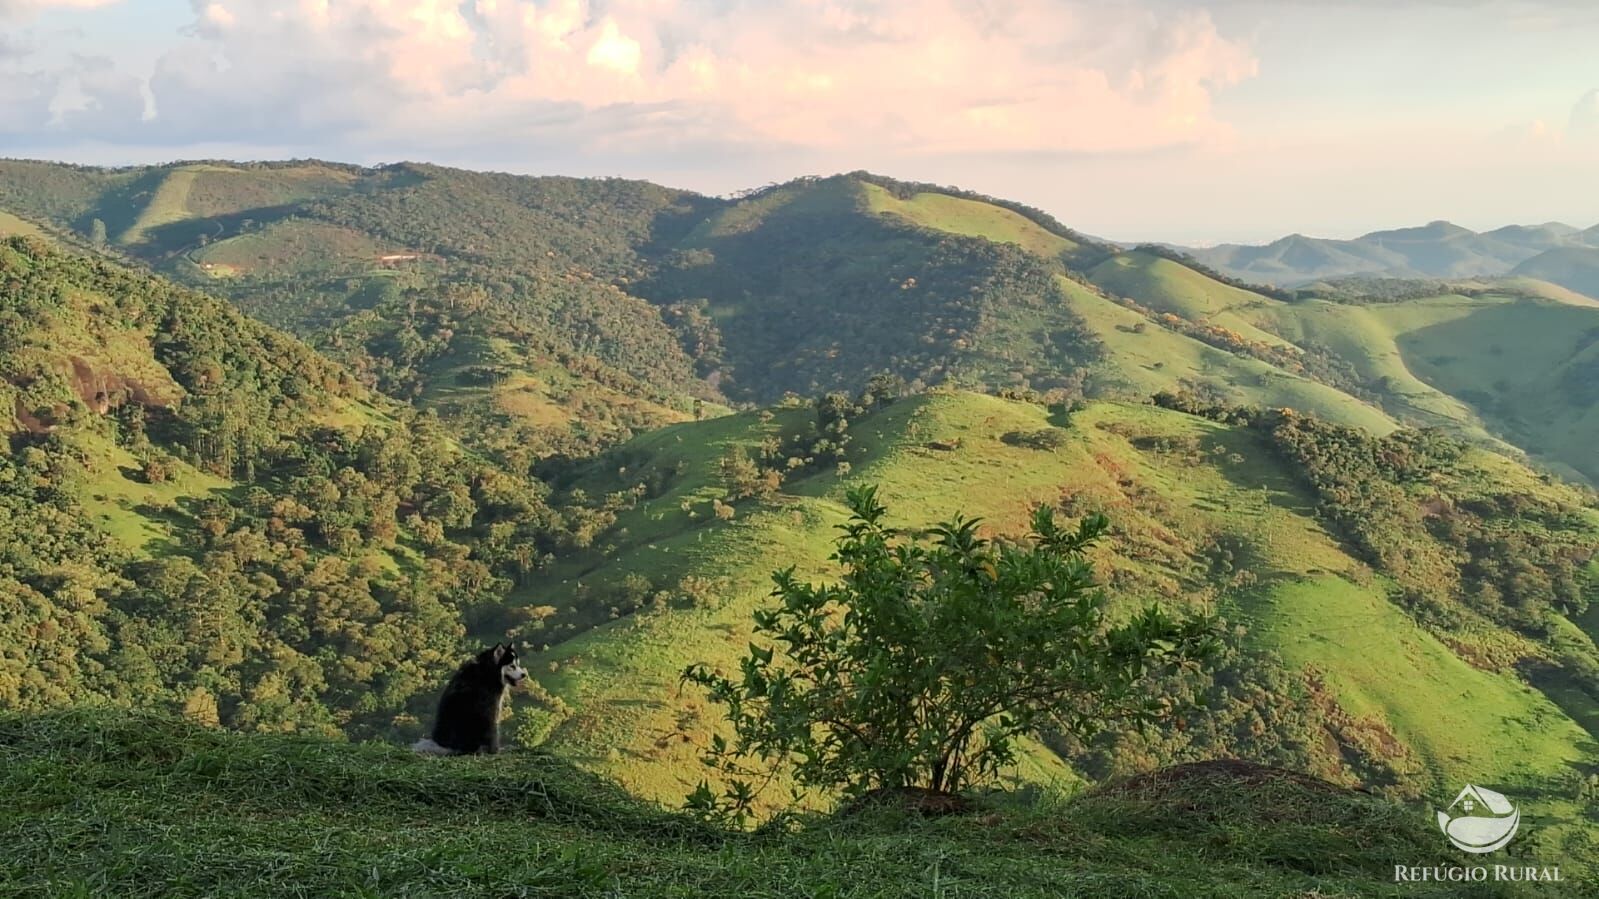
1553 251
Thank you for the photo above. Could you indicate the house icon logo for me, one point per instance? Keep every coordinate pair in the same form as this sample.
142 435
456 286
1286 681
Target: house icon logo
1479 820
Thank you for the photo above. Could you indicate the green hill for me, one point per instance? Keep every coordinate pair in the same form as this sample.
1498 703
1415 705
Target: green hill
819 284
1353 662
1504 364
492 299
149 806
1147 353
1576 268
556 316
1138 321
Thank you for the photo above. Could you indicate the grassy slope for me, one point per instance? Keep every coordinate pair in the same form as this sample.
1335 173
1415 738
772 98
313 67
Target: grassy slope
1314 603
1365 336
973 218
167 203
11 225
292 248
1491 367
542 394
1504 388
1576 268
1155 358
150 519
1546 289
208 190
1510 359
141 516
142 806
1381 664
1166 286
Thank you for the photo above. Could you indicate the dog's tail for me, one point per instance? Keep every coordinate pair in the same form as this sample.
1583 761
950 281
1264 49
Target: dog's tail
426 746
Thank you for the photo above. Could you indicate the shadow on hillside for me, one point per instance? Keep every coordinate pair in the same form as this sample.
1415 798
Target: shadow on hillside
180 519
1248 462
1564 691
1512 364
174 237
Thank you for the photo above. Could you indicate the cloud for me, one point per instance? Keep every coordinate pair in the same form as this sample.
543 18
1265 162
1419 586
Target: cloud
908 76
23 10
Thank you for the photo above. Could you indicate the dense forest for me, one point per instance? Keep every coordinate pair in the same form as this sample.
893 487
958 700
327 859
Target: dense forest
322 549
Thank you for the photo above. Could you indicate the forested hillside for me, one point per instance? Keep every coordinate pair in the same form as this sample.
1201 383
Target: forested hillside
201 512
810 291
494 300
558 316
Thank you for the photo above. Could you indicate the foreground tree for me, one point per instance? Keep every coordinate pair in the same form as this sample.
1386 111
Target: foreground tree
931 656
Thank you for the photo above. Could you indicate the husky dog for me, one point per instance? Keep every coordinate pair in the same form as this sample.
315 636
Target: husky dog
469 711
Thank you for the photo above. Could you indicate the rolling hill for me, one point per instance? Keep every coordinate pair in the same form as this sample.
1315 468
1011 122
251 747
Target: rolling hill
491 299
557 316
1330 674
1436 250
1368 361
274 508
1575 268
1108 323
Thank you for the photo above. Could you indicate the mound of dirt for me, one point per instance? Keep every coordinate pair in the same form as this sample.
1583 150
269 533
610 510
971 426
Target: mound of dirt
912 800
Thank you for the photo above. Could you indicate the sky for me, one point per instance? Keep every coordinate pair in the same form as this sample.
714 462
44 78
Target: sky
1134 120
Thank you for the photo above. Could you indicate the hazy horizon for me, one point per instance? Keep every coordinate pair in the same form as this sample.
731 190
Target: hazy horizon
1195 123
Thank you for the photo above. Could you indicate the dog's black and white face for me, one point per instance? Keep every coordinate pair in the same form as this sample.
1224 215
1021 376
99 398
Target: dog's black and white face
504 658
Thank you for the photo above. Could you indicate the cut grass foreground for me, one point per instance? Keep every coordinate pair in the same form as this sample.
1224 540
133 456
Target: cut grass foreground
110 803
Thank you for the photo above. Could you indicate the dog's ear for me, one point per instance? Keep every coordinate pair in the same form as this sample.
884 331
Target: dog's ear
499 652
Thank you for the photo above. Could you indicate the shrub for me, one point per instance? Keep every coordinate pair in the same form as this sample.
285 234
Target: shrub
925 663
1047 439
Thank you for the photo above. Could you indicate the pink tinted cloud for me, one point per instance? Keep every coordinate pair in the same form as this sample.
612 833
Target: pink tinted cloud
930 76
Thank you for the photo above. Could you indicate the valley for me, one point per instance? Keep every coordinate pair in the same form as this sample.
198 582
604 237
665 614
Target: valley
298 433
